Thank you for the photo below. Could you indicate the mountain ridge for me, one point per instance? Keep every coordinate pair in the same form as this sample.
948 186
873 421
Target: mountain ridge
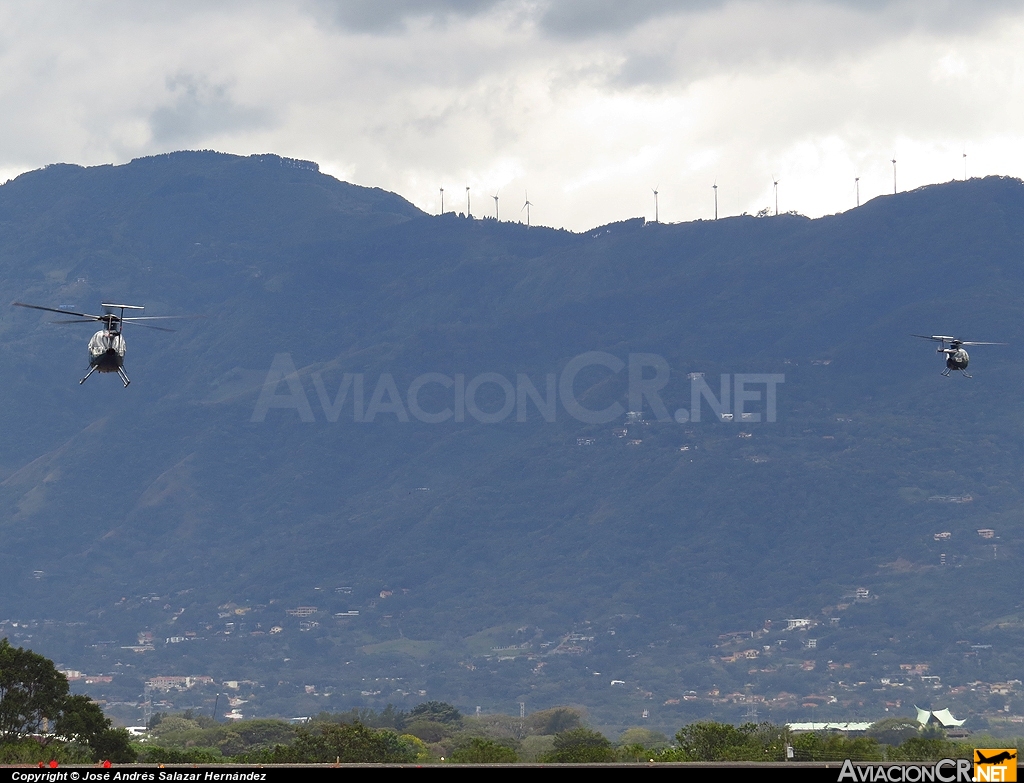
556 526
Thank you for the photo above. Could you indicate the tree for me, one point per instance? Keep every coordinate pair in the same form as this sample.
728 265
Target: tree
151 754
635 751
388 718
436 712
347 742
648 738
580 746
815 746
483 751
81 720
710 741
641 744
32 692
428 730
246 736
925 749
894 731
179 731
554 720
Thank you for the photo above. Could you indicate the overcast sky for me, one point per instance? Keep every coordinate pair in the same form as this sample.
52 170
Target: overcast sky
586 105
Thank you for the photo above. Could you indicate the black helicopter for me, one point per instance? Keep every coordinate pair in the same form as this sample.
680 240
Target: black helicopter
956 357
107 347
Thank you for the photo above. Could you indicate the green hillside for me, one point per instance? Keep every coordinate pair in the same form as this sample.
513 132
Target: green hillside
539 557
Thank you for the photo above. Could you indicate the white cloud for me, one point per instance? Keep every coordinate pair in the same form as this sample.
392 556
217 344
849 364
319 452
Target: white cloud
587 110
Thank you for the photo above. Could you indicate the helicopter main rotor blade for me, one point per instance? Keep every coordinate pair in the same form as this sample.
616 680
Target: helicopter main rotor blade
132 320
55 310
147 326
158 317
941 338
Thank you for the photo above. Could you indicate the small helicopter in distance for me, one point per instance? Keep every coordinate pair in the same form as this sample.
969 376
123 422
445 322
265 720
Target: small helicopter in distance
107 347
956 356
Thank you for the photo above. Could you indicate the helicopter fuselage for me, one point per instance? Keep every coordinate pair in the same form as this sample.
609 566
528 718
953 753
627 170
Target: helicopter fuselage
956 358
106 351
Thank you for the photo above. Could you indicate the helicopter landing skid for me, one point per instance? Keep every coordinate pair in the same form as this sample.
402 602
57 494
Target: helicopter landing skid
120 372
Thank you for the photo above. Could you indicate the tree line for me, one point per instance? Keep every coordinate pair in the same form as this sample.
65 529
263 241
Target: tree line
40 720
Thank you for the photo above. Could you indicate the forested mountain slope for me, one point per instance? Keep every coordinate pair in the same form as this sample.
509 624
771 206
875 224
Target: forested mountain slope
452 538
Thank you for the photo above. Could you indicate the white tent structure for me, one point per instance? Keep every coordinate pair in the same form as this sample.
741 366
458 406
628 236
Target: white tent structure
943 717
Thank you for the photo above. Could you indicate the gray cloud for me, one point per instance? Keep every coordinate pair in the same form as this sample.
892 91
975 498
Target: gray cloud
654 43
199 110
740 37
590 17
377 17
587 18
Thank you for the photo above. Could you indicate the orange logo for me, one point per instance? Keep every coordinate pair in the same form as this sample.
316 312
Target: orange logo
995 764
